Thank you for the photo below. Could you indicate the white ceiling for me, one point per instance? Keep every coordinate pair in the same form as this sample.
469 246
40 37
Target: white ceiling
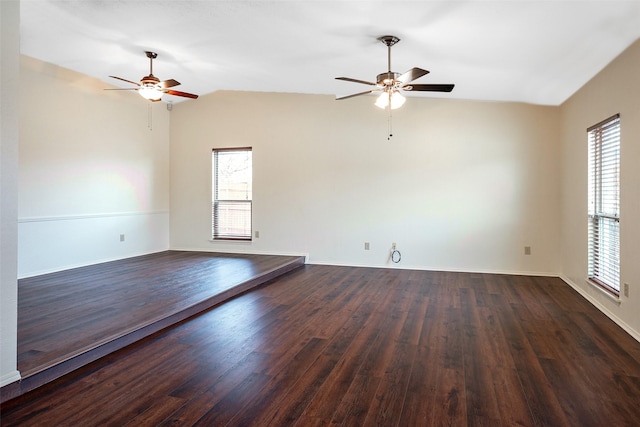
538 52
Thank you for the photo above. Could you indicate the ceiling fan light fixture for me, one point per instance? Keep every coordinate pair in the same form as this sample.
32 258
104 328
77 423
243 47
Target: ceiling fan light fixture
150 92
396 98
383 100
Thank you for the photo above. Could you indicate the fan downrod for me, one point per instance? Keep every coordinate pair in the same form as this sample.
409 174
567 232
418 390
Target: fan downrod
150 79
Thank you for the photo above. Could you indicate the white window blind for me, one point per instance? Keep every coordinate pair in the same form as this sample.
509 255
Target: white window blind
604 203
232 194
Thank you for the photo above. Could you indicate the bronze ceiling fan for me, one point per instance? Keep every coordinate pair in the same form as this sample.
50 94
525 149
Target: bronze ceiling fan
151 88
390 84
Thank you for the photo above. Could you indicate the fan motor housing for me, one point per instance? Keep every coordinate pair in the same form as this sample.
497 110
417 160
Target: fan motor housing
150 80
387 79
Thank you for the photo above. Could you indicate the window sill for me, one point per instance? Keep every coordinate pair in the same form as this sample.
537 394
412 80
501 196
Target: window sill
615 299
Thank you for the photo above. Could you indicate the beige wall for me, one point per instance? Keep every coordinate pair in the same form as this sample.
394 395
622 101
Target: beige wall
94 164
614 90
460 186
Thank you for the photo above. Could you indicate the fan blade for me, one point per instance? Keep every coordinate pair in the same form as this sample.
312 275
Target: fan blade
412 74
355 94
430 88
125 80
178 93
348 79
168 83
124 88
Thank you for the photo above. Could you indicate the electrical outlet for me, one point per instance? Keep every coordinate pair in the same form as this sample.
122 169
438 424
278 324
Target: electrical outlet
626 290
122 237
257 234
527 250
366 246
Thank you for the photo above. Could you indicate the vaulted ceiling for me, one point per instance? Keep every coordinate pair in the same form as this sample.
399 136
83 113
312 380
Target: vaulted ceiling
538 52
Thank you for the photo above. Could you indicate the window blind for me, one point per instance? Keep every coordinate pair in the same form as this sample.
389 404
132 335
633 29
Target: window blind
604 203
232 194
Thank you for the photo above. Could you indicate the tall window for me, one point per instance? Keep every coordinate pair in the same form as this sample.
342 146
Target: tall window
604 204
232 194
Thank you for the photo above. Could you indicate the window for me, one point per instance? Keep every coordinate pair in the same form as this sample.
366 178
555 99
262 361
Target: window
604 204
232 194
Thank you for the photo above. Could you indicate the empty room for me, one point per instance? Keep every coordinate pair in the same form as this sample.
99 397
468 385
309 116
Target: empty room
274 213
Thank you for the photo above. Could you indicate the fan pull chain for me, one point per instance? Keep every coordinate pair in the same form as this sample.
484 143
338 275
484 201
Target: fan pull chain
149 117
389 122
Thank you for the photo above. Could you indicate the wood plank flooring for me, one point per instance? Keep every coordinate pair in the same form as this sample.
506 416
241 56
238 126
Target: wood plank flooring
327 345
69 318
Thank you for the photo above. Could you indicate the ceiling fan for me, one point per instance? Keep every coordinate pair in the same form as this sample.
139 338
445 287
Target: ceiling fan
151 88
390 85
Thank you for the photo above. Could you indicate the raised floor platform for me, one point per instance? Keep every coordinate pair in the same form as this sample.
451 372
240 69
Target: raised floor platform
71 318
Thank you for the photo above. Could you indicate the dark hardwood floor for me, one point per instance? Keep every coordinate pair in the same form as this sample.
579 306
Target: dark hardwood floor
326 345
70 318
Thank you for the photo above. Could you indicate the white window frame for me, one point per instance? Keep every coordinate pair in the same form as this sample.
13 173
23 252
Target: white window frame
231 217
604 204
